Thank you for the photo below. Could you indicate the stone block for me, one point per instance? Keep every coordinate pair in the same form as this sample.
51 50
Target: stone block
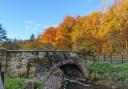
29 84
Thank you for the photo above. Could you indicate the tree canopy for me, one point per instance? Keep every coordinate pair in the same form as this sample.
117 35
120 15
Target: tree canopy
100 32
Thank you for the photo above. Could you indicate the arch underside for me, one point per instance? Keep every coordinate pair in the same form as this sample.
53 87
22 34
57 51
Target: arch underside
69 72
70 69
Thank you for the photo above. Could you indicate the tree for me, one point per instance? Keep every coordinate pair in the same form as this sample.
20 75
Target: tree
11 44
86 33
3 34
32 37
63 33
100 32
15 44
49 35
115 27
35 45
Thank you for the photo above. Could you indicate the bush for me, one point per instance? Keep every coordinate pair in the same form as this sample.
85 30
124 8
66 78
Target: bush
104 70
18 83
120 73
37 85
13 83
120 67
100 69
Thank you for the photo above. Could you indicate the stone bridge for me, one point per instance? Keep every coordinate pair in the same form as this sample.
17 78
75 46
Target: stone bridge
72 64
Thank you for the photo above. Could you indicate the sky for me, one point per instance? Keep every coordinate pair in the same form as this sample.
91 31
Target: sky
21 18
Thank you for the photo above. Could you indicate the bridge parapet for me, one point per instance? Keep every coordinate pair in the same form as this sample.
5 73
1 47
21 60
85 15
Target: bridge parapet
14 59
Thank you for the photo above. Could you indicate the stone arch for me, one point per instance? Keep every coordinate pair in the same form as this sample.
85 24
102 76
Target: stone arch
67 65
72 71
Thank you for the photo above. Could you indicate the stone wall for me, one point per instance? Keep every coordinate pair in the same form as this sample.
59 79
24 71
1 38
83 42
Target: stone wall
3 59
16 59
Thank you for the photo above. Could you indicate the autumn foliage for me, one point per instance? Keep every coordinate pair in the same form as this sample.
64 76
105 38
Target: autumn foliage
100 32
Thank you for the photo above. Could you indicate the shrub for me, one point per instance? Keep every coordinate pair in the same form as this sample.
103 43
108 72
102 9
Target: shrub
37 85
102 70
18 83
120 73
13 83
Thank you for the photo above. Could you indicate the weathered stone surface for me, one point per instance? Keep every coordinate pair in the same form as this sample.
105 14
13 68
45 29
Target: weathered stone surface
72 65
54 82
16 59
22 72
56 68
29 84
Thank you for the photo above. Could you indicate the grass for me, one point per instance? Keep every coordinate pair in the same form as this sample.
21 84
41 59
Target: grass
18 83
116 73
13 83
